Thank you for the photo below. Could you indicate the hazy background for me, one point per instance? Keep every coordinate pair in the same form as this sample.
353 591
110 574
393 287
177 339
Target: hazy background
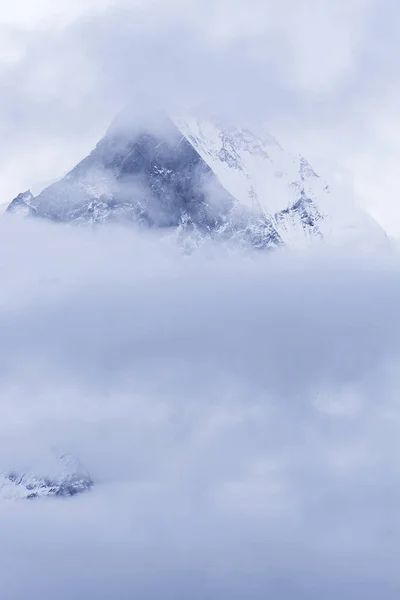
322 73
238 414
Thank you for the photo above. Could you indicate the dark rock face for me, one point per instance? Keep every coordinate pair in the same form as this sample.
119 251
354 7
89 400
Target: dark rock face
305 213
152 178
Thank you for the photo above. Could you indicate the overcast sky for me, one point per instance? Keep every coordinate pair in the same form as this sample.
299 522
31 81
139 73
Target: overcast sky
323 74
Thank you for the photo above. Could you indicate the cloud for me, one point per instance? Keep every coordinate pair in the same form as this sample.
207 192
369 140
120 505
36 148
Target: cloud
238 415
303 68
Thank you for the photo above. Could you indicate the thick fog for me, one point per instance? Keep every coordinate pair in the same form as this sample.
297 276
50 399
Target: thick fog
238 414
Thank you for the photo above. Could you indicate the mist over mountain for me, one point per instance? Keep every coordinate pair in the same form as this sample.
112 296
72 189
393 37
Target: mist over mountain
208 423
207 181
199 333
234 416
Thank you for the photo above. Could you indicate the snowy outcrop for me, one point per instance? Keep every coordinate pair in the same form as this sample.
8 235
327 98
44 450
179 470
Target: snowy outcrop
22 204
64 476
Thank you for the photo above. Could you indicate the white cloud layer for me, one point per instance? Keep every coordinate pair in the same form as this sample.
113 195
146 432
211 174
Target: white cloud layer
238 414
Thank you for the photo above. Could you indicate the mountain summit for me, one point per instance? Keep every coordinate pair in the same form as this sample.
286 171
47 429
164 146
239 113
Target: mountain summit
197 177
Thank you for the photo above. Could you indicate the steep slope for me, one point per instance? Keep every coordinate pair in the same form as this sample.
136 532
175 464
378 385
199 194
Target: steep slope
281 186
202 180
147 176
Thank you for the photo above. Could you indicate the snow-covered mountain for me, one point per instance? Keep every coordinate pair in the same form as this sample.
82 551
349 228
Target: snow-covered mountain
203 180
262 177
279 185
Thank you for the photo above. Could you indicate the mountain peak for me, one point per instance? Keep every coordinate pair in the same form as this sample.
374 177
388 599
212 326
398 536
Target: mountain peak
163 171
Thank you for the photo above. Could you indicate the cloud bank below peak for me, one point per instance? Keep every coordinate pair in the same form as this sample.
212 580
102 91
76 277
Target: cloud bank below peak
238 417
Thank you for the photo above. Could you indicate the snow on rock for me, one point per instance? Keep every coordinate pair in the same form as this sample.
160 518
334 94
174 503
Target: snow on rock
275 183
63 476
